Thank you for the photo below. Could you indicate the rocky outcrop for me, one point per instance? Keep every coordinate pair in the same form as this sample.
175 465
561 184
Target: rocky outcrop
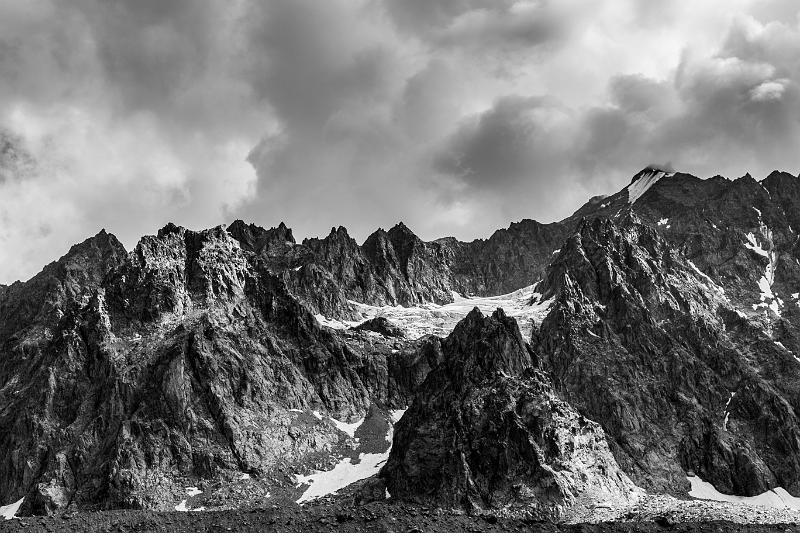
29 309
380 325
486 431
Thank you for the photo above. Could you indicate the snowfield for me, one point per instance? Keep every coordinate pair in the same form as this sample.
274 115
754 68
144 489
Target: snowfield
344 427
434 319
777 498
9 511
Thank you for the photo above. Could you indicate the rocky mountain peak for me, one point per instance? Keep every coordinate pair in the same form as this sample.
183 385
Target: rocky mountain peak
169 229
404 242
486 431
777 175
271 243
651 170
484 345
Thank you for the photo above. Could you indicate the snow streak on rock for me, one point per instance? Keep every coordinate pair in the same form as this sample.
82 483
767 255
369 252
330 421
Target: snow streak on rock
643 181
727 412
767 250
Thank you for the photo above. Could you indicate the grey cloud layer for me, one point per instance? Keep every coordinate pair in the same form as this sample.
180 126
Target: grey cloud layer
456 116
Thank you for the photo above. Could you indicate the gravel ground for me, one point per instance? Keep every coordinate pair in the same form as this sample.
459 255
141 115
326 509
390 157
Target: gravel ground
653 514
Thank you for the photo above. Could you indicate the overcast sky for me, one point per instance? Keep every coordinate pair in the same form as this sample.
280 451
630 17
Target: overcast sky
455 116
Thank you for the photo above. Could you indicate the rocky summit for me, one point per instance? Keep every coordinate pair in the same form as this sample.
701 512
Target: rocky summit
236 368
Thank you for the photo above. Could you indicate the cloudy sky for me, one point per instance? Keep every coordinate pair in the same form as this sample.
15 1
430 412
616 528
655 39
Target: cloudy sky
455 116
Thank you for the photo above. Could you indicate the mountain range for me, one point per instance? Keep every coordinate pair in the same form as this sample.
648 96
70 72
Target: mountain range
650 338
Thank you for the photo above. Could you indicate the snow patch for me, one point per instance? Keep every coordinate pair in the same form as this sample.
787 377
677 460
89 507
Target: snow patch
346 471
643 182
183 508
9 511
344 427
397 414
193 491
765 287
663 222
331 323
777 498
753 245
342 475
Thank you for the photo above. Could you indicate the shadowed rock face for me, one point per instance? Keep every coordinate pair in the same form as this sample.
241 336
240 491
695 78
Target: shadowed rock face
396 267
380 325
486 431
653 349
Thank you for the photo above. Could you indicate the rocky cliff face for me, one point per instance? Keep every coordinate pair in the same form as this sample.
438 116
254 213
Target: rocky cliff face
184 359
643 342
487 431
396 267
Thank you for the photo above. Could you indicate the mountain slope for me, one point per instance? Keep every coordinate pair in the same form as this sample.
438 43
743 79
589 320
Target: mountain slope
667 313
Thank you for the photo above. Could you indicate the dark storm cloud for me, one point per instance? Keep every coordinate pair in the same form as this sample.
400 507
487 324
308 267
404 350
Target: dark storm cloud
453 115
500 146
480 26
733 112
134 113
